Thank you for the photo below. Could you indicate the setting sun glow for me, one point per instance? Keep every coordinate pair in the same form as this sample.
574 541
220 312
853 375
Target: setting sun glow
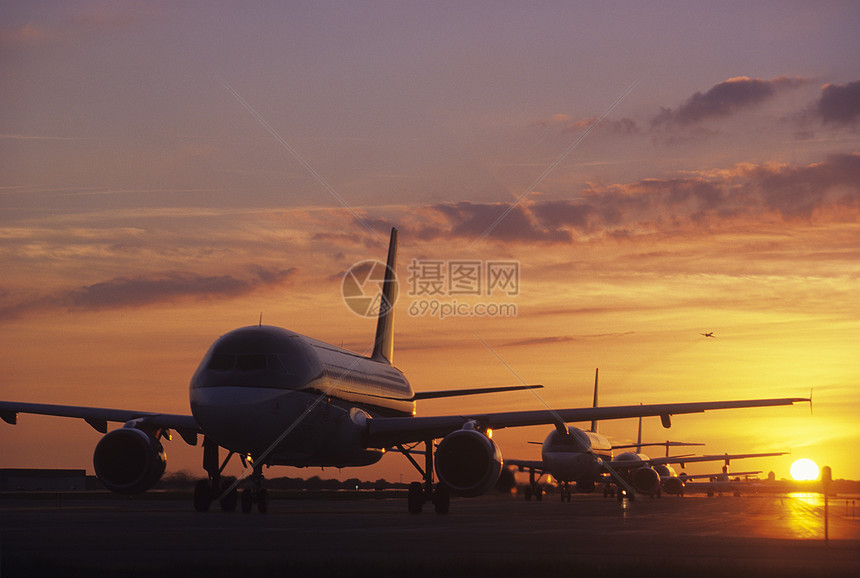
804 469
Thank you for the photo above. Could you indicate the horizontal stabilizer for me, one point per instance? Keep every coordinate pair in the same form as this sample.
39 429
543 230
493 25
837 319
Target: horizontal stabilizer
473 391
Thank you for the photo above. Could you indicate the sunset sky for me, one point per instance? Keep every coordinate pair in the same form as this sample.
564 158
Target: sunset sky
171 171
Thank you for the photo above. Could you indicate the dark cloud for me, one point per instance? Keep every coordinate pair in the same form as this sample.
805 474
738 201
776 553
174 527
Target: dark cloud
800 192
748 194
724 99
550 340
475 220
840 103
149 289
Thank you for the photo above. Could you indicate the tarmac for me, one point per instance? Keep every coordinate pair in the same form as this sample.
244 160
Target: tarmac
371 533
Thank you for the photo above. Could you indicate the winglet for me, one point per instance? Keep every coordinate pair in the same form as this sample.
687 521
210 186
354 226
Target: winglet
383 343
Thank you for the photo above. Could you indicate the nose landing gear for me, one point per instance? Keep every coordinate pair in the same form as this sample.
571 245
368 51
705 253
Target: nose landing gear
225 491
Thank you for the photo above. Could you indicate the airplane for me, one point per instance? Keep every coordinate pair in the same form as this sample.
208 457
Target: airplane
736 482
708 334
585 458
275 397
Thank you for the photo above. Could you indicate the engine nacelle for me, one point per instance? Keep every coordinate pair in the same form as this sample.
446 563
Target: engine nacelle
468 462
645 480
673 485
129 461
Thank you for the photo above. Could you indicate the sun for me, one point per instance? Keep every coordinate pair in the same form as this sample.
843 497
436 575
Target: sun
804 469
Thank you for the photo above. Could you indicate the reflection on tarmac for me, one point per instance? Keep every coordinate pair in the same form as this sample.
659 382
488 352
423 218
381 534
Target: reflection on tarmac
803 515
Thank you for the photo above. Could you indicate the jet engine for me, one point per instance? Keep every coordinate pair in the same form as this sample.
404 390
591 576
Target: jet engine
468 462
645 480
673 485
129 461
669 480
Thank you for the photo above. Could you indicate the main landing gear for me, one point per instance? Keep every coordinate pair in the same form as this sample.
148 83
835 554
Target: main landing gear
564 490
421 493
225 491
534 487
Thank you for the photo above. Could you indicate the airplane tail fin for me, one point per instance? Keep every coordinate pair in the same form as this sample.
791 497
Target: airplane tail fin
383 343
639 437
594 404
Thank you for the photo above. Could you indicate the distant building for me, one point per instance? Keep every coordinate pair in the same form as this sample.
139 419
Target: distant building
34 480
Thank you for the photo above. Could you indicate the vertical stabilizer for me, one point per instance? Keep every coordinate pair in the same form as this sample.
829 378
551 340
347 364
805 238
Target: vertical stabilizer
594 421
383 344
639 438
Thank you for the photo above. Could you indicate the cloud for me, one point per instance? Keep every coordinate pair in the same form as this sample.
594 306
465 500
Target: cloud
473 220
828 191
553 339
620 127
840 103
69 24
724 99
149 289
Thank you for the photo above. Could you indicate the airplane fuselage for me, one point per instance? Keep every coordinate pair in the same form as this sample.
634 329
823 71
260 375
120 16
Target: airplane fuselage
256 383
575 457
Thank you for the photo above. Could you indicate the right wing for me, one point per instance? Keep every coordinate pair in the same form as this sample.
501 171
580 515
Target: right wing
185 425
536 465
683 460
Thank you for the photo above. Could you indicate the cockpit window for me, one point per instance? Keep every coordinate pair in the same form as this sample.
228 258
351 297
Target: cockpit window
221 362
254 361
575 441
251 361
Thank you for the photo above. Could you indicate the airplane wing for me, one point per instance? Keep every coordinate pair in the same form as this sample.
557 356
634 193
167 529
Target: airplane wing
683 460
383 432
536 465
97 417
685 476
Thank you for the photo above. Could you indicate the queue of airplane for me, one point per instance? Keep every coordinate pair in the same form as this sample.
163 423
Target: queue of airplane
274 397
584 459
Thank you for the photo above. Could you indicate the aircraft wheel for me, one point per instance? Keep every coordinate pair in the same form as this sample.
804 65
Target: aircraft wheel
528 493
262 501
415 500
202 496
442 499
228 502
247 501
539 494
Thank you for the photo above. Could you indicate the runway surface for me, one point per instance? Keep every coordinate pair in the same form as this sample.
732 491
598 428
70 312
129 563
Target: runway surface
161 535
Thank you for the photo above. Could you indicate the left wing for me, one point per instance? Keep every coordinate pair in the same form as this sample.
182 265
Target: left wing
185 425
383 432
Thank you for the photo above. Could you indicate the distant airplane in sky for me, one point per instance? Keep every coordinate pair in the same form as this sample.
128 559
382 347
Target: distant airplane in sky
274 397
708 334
